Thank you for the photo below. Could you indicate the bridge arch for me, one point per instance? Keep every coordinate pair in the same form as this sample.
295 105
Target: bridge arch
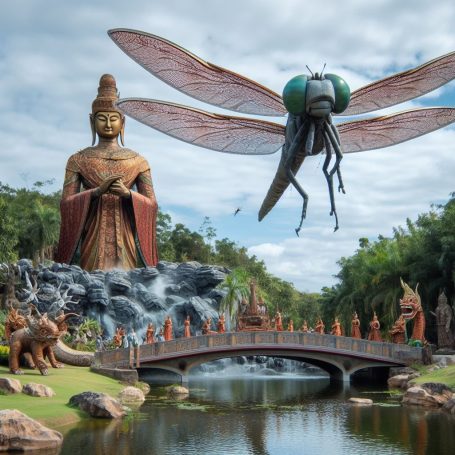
339 356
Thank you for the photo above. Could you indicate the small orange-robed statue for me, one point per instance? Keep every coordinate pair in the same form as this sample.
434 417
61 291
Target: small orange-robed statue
278 322
168 329
291 326
355 327
304 327
398 331
319 327
375 333
207 327
336 328
186 327
118 337
108 204
221 324
150 334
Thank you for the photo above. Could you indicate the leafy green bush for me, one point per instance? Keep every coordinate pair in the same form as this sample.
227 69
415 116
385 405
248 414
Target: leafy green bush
4 354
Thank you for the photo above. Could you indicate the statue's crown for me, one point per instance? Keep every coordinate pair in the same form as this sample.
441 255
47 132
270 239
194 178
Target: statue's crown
408 292
442 297
107 95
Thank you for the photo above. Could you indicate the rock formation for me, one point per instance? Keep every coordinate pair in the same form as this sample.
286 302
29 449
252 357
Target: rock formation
131 299
21 433
98 405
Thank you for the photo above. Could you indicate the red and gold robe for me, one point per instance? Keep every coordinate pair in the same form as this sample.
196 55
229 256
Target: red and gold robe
107 227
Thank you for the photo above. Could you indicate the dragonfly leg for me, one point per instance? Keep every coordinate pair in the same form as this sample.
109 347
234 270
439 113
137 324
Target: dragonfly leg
290 154
329 178
290 175
310 140
333 137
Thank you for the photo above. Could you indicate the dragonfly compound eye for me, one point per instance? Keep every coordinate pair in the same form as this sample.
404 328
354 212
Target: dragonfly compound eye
342 92
294 94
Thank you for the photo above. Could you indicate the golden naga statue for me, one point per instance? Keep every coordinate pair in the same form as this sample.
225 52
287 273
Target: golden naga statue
411 308
108 203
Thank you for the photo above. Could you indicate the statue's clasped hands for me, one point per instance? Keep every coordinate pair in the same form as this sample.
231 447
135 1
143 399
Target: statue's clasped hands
114 185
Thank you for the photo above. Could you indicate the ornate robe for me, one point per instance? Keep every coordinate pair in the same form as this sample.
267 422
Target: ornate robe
109 228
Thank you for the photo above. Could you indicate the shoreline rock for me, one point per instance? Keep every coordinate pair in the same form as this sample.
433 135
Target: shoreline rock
177 391
361 401
98 405
131 395
401 381
429 394
37 390
19 432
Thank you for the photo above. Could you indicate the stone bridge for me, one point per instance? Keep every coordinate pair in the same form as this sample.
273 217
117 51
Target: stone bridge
339 356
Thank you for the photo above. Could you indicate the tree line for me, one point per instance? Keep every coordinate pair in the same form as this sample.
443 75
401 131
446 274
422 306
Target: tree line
421 252
30 226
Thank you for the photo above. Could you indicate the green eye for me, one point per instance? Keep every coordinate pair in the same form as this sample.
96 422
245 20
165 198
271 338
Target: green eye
294 95
342 92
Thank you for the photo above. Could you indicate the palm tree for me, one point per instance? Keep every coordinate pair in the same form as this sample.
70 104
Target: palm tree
237 287
44 230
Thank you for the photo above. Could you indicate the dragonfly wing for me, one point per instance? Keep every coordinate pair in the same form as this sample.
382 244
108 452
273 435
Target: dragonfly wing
403 86
196 77
222 133
379 132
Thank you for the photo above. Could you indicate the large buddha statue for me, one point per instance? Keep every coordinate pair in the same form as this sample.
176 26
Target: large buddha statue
108 205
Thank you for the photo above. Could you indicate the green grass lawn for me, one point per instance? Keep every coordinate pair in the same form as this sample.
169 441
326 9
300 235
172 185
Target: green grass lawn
65 382
444 375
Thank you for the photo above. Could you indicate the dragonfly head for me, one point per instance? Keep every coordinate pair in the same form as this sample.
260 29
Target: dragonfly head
317 96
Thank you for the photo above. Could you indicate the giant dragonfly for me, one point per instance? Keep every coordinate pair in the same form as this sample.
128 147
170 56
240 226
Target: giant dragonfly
310 101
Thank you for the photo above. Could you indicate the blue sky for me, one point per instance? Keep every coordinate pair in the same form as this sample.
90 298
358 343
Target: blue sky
52 54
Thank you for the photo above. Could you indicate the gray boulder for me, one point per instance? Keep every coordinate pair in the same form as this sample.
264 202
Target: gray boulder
131 395
118 282
209 276
187 288
429 394
19 432
187 270
150 301
174 300
124 310
361 401
98 405
97 294
10 385
449 406
38 390
199 310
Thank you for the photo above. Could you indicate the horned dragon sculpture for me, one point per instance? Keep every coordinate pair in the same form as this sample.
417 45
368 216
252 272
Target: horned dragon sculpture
37 336
411 308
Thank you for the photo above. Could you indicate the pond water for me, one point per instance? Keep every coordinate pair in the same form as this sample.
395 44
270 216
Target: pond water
286 414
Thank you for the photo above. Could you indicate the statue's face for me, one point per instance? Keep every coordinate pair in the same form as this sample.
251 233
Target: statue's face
108 124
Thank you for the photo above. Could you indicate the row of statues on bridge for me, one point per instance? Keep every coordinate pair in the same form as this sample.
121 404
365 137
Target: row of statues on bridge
166 333
254 317
122 339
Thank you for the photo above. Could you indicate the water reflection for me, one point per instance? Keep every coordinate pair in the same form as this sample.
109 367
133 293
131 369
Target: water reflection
278 415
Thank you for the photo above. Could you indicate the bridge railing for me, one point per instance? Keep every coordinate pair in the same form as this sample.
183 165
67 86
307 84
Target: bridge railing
163 349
